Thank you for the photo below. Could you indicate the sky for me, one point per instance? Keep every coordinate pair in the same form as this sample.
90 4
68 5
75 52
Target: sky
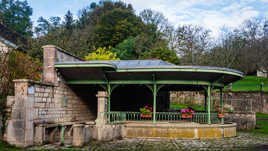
211 14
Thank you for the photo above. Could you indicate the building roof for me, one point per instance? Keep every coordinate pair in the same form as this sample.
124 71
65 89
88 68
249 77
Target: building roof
11 38
144 64
133 71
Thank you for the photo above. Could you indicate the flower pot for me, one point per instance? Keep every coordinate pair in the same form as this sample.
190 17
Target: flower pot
186 116
220 115
146 116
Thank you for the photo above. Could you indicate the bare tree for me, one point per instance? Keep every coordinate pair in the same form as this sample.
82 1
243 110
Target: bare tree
4 68
192 42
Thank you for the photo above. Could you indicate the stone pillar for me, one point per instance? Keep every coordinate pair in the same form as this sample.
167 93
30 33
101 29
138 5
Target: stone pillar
49 58
78 135
20 129
39 137
102 106
101 119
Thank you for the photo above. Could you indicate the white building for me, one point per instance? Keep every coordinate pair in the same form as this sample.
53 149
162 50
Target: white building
262 73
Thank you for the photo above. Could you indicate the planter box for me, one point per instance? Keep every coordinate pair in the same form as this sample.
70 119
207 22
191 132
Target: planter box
220 115
186 116
146 116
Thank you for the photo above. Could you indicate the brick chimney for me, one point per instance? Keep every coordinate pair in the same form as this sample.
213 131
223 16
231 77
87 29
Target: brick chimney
49 58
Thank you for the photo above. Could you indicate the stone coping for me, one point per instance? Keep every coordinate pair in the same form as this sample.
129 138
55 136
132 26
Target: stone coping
241 112
65 123
62 50
34 82
178 125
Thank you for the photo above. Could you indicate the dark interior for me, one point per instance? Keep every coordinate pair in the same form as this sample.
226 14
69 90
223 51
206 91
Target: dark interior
134 97
88 94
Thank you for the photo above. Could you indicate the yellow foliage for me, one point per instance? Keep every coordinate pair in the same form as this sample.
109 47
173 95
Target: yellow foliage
102 54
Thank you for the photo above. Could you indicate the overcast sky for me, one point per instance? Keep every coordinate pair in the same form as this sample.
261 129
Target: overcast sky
212 14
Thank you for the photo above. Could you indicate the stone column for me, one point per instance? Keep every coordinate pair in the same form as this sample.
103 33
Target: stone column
20 129
100 129
102 107
78 135
49 58
39 134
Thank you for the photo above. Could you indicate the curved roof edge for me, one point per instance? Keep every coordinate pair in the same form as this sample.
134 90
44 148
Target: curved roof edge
84 64
147 66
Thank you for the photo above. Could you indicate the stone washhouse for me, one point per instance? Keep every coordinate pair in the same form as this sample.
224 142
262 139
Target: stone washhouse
78 101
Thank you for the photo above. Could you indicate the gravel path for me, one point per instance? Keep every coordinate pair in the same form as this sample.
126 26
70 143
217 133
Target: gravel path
243 142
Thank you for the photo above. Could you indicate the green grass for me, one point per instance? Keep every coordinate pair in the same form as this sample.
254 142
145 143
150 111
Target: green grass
263 128
250 83
261 115
263 125
176 105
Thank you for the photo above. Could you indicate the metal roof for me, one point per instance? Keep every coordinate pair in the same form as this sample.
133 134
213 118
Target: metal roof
142 70
146 64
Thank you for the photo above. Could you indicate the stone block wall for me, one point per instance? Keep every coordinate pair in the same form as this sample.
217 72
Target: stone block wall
244 120
51 101
259 104
187 97
57 104
37 103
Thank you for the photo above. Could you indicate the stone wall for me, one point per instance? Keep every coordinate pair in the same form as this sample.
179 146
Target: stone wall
259 104
48 102
244 120
37 103
178 131
57 104
187 97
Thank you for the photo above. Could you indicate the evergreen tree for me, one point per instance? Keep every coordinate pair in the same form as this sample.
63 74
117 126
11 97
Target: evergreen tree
69 20
15 14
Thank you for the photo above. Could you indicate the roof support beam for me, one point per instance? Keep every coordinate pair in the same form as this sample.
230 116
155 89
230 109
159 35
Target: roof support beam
159 82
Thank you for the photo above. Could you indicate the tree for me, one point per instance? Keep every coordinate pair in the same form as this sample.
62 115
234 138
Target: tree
163 53
46 26
155 22
15 14
192 42
115 26
126 50
102 54
69 20
242 48
93 13
17 65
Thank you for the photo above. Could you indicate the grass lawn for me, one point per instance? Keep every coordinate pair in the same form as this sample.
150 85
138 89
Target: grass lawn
261 115
176 105
262 124
263 128
250 83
